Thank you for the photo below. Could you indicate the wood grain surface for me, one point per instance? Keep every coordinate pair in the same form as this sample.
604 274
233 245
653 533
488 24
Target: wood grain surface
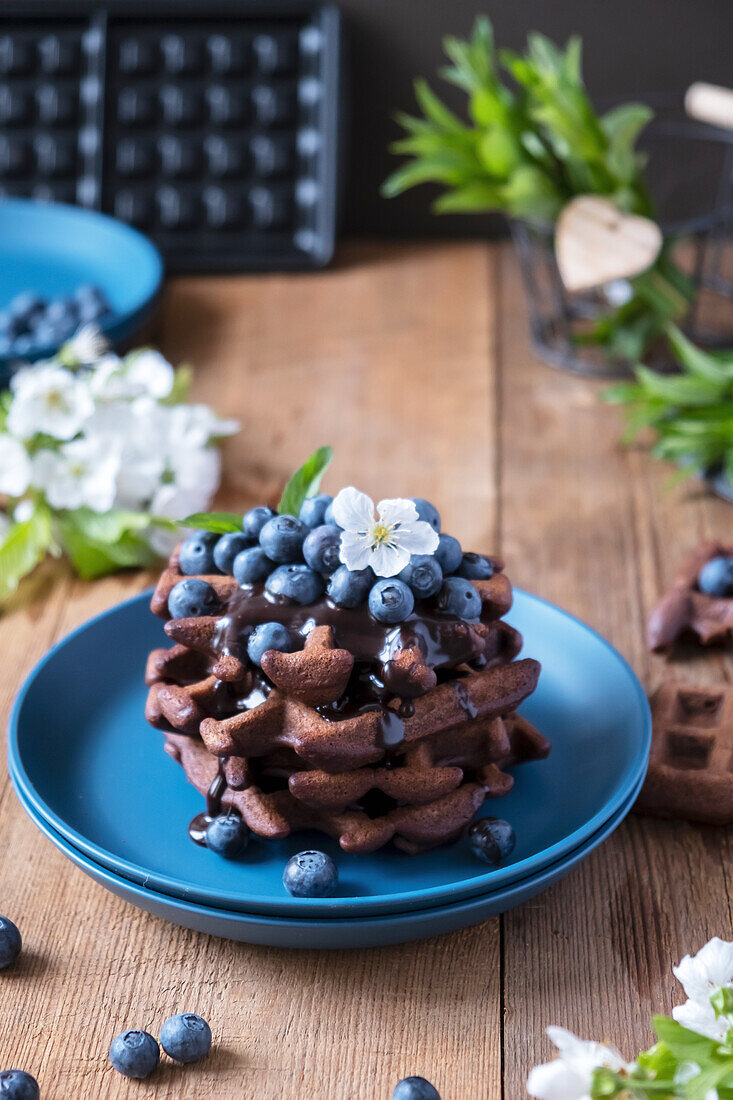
413 361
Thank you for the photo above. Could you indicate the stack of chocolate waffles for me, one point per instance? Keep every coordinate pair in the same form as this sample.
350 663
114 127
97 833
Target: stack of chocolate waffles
370 732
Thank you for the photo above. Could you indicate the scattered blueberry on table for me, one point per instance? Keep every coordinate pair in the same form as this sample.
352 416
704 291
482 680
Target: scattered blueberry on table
11 942
716 577
134 1054
310 875
186 1037
227 835
415 1088
192 598
16 1084
491 839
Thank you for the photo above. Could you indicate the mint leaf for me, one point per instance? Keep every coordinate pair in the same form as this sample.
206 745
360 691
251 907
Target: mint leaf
305 482
221 523
23 548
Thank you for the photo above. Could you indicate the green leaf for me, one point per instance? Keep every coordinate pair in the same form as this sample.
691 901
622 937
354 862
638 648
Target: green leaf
685 1045
99 543
622 127
722 1001
221 523
473 197
182 379
700 363
434 109
23 548
305 482
658 1061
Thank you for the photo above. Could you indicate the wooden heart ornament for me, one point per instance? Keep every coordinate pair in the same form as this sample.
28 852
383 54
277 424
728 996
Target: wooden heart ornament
595 243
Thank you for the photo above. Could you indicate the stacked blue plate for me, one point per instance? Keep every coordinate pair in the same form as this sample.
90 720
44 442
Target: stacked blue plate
94 778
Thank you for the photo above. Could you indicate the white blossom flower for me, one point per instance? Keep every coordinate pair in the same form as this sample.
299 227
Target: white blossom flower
48 399
570 1075
15 467
385 541
150 371
174 502
81 474
197 425
701 976
85 348
23 511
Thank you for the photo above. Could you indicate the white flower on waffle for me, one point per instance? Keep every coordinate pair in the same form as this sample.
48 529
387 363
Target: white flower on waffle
386 540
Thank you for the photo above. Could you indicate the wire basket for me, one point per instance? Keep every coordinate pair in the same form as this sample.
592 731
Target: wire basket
690 176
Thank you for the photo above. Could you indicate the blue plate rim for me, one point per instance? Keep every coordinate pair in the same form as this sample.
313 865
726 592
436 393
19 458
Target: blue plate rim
410 900
419 917
117 321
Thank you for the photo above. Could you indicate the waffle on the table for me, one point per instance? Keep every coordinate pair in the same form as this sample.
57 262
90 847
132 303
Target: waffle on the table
286 748
685 610
691 764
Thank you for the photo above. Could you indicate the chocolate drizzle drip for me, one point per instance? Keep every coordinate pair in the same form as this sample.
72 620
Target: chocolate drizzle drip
199 825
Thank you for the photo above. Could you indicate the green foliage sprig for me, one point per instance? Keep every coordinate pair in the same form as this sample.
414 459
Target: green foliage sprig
690 413
530 145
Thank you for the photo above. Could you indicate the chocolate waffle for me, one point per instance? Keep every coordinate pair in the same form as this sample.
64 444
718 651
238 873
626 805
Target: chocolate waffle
369 732
691 764
685 610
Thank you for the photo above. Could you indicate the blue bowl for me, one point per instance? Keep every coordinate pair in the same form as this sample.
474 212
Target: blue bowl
51 249
81 753
303 931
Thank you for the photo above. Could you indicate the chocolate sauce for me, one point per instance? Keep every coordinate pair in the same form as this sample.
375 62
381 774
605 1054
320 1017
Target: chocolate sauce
199 825
445 643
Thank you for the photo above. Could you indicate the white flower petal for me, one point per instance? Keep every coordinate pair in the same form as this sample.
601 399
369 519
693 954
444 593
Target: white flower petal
352 509
198 469
81 474
15 467
151 372
355 551
557 1081
24 509
701 1018
707 971
387 560
420 538
397 511
86 346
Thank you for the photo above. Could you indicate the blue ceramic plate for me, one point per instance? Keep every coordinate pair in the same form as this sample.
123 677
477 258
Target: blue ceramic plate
300 931
82 754
52 249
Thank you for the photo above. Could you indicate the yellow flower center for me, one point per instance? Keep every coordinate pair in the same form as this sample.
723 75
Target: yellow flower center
380 533
55 400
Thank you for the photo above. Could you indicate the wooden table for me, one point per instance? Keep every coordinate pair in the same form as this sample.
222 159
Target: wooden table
413 361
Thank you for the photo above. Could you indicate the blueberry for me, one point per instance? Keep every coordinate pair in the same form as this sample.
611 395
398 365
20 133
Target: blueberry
252 566
62 311
10 942
310 875
449 554
46 334
192 598
282 538
349 587
415 1088
268 636
15 1084
186 1038
491 839
90 302
475 567
5 346
321 548
390 600
26 307
10 325
312 513
227 835
427 512
716 577
458 597
328 516
227 548
254 520
22 345
134 1054
197 553
296 582
423 575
